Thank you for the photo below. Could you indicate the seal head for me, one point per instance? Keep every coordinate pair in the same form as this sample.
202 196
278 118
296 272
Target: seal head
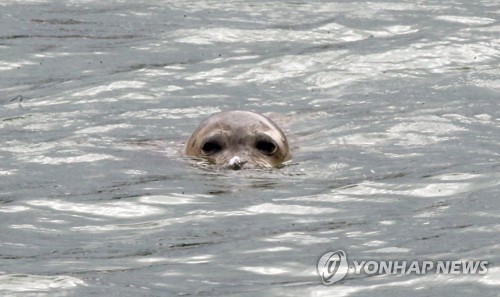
237 139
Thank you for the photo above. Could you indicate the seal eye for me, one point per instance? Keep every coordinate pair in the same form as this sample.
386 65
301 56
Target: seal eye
266 147
211 147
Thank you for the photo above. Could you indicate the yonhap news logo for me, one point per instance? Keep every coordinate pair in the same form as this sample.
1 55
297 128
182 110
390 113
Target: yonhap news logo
334 266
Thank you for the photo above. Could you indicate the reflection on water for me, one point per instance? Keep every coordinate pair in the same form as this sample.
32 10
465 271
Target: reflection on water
391 110
37 284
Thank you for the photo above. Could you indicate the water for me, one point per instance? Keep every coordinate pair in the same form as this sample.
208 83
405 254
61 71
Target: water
392 111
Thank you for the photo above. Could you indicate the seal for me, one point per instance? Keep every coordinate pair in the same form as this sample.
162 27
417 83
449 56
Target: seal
237 139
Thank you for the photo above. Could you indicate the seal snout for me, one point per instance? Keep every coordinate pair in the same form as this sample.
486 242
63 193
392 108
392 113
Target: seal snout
236 163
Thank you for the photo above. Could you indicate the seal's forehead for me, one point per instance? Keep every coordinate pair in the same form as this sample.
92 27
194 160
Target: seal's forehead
234 121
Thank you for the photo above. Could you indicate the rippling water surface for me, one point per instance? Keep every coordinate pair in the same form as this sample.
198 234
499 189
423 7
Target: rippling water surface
392 110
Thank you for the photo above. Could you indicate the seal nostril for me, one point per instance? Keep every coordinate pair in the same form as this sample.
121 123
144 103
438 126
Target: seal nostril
236 163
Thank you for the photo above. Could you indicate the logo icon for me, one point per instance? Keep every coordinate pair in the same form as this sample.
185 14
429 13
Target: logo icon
333 267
